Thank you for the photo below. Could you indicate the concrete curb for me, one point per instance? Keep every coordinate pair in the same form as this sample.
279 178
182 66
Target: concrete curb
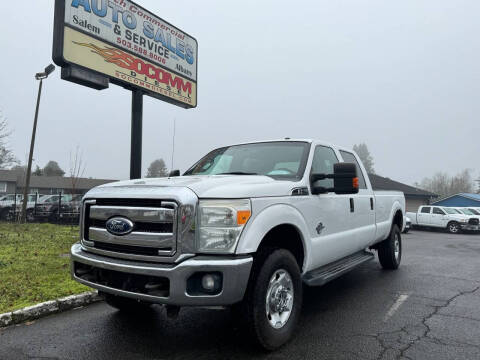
49 307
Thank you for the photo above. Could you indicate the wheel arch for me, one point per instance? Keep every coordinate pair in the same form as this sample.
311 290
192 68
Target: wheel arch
279 226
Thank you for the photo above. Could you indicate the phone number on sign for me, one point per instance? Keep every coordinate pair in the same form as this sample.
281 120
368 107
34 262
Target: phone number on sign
145 52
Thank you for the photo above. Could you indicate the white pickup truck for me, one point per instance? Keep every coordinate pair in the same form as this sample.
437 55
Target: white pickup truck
443 217
244 227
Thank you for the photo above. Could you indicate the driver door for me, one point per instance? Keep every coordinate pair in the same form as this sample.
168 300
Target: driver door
437 216
328 215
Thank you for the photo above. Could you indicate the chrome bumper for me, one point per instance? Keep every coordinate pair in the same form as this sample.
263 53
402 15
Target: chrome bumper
235 273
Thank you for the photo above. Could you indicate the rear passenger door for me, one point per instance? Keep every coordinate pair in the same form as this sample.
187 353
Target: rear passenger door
363 211
423 216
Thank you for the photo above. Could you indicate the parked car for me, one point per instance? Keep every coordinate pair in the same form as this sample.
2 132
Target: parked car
7 202
467 212
48 205
476 211
244 227
443 217
70 210
408 224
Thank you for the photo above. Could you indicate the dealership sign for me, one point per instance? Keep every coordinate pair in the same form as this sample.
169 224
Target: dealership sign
127 44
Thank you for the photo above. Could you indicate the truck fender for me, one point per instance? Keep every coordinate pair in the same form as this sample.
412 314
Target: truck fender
266 220
396 207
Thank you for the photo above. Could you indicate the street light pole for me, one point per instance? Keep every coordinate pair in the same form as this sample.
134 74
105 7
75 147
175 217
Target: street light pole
39 76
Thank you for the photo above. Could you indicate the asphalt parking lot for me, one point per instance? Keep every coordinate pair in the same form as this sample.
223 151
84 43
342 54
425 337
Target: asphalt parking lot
428 309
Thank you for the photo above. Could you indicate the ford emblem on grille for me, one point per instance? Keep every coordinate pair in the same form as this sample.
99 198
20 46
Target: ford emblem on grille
119 225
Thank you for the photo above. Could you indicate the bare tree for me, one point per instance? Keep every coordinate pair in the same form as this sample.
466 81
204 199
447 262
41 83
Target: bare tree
157 169
77 168
444 185
7 158
364 154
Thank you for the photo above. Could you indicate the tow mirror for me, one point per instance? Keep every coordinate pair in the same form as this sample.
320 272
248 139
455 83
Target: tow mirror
345 180
174 173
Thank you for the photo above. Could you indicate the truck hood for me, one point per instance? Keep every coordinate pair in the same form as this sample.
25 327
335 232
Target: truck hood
218 186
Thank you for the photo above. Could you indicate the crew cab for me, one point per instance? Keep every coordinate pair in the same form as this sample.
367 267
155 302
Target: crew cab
245 226
443 217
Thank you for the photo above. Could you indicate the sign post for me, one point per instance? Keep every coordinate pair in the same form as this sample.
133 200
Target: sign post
99 41
136 141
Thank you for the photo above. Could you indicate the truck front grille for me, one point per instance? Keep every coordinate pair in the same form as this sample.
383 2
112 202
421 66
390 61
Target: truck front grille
154 233
473 221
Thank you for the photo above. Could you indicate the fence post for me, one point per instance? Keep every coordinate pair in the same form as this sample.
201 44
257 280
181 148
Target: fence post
15 206
59 206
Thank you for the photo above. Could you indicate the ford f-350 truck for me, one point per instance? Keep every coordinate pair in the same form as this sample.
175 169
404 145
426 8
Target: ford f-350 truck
246 226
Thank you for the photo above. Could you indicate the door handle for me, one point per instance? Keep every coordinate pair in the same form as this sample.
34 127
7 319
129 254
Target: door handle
371 203
352 205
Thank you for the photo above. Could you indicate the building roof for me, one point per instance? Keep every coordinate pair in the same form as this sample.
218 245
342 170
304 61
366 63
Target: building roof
475 197
8 175
60 182
51 182
383 183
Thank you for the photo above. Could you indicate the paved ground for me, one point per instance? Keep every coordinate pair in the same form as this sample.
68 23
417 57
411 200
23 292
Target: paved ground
428 309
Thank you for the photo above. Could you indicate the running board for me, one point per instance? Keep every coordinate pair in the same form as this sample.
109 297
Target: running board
326 273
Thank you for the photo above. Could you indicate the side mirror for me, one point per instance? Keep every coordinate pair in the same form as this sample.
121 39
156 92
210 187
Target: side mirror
345 180
174 173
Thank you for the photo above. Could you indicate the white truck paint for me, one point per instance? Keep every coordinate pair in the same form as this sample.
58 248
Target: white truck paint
447 218
327 233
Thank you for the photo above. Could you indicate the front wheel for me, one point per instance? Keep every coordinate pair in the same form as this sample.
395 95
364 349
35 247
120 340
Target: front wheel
273 301
453 227
390 250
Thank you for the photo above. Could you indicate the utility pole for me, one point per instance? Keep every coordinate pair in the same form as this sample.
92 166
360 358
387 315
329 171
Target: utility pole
39 76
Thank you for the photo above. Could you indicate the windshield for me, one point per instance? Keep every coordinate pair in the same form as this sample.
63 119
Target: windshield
283 160
466 212
451 211
474 211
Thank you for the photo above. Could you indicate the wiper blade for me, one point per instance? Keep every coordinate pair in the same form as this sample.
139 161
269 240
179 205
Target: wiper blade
237 173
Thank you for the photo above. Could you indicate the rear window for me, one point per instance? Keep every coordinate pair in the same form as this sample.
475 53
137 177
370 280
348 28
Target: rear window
425 210
350 158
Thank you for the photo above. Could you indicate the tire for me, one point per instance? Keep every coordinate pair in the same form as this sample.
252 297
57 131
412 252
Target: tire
30 217
275 276
390 250
5 215
453 227
125 305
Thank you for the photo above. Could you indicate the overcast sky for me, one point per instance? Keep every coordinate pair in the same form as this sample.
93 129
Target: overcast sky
401 76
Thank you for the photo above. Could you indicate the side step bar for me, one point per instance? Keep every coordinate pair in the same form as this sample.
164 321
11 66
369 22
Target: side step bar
326 273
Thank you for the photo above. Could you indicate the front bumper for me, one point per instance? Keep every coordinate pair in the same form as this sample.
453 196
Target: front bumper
235 272
470 227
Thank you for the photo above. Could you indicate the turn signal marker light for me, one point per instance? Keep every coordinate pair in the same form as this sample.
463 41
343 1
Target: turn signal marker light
243 216
355 182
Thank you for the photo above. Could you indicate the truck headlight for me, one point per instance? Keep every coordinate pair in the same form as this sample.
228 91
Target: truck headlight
220 224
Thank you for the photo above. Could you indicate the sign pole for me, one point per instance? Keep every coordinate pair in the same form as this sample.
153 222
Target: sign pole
136 140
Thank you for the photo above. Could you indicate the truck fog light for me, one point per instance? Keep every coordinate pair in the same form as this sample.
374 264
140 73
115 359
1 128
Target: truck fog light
203 283
208 282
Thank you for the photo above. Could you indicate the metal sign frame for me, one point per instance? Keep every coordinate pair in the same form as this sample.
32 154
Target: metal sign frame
97 80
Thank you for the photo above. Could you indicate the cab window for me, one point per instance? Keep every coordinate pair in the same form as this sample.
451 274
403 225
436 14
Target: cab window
438 211
425 210
350 158
323 160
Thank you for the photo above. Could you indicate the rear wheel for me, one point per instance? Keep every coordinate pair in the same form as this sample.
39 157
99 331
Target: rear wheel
453 227
273 301
390 250
124 304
